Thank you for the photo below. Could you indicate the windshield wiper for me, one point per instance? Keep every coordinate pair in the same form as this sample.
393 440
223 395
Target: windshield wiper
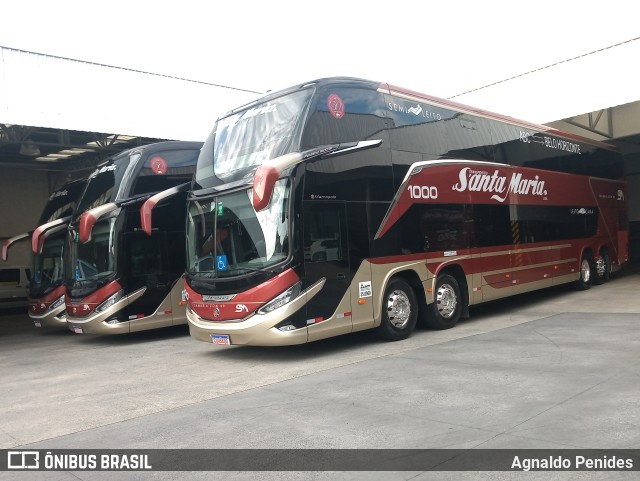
134 199
253 269
206 275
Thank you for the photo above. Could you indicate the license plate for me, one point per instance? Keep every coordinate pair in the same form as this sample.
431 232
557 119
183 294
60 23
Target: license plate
77 330
37 323
222 339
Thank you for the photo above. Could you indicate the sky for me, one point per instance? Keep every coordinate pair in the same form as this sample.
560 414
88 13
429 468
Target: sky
443 48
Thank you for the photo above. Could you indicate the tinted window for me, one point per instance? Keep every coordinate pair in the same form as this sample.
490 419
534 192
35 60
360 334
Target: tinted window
342 114
469 137
165 169
9 277
492 225
62 202
417 126
433 227
509 146
145 255
528 148
360 175
325 234
542 223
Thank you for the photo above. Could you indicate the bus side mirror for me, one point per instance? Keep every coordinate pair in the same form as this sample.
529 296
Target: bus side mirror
146 210
146 215
264 182
90 217
9 242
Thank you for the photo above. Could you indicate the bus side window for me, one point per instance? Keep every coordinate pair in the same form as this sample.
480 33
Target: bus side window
324 233
492 225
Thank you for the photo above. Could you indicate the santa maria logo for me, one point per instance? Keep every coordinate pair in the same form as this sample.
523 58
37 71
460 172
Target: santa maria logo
497 184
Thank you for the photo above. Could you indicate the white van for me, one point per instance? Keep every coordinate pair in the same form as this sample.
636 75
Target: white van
14 285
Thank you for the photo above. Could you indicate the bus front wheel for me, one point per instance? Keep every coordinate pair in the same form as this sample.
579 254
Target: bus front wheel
399 311
446 308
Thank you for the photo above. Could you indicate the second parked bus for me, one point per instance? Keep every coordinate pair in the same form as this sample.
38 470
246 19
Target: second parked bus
118 278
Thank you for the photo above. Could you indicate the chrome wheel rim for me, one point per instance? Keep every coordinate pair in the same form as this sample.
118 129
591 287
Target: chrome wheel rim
601 266
446 300
398 309
585 270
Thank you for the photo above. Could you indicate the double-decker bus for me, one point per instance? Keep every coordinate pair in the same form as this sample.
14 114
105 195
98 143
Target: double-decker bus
118 279
46 287
343 204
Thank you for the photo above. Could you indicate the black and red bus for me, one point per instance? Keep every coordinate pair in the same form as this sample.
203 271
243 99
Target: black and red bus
343 204
46 287
118 279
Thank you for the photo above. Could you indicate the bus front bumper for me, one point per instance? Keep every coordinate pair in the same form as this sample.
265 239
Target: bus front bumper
103 322
256 330
55 318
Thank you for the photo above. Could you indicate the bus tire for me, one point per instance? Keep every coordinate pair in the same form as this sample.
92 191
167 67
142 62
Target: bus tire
587 270
399 311
603 268
445 311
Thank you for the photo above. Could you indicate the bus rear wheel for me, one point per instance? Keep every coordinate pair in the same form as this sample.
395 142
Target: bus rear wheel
399 311
587 269
603 268
445 311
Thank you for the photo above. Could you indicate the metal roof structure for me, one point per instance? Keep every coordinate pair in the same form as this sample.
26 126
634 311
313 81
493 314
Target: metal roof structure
63 115
56 114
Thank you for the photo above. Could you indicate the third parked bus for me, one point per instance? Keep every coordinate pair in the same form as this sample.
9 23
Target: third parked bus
343 204
46 287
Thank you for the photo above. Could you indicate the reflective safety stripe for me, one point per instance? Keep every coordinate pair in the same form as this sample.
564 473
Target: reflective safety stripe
315 320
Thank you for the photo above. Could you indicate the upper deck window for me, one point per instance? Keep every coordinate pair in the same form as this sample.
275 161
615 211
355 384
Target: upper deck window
261 132
345 114
165 169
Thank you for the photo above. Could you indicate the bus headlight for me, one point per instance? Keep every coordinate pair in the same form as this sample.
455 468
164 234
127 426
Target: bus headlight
284 298
111 300
57 303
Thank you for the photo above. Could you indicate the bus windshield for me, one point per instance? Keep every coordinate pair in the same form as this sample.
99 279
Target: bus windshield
226 237
47 267
90 265
259 133
101 185
60 204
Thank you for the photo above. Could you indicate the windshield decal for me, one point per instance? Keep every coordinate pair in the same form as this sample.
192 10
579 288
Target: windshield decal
336 106
158 165
221 263
102 170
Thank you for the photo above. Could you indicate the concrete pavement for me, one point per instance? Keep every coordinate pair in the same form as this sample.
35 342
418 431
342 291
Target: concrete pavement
551 369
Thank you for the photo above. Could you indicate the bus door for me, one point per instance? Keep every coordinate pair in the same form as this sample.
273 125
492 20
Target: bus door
326 257
145 259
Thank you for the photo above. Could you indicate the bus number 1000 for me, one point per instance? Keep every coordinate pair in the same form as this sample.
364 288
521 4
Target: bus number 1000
423 192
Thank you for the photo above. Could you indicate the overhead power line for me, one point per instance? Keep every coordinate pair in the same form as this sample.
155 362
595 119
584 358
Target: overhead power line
545 67
174 77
